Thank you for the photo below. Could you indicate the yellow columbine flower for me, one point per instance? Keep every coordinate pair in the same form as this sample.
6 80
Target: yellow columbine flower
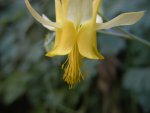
76 25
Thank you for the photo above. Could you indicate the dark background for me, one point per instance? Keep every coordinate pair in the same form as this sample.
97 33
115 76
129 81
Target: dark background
32 83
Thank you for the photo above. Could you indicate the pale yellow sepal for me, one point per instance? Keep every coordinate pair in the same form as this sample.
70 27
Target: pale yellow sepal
123 19
39 18
46 26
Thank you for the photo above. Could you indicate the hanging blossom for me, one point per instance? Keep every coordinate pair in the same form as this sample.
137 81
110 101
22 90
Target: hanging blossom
76 25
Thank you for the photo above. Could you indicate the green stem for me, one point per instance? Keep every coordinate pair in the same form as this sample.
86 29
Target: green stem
114 34
124 33
136 38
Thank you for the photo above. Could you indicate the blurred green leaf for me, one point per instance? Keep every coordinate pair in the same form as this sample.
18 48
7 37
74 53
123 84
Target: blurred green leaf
15 86
111 45
137 80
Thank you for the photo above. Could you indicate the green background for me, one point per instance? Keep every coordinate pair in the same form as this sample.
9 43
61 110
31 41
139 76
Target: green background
32 83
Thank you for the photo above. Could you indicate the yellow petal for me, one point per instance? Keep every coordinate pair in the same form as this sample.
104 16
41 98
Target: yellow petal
65 39
46 26
38 17
87 43
123 19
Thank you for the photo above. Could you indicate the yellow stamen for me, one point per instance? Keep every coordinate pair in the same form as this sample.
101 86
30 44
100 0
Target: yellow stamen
71 67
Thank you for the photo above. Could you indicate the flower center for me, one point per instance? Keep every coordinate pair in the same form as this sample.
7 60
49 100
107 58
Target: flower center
71 67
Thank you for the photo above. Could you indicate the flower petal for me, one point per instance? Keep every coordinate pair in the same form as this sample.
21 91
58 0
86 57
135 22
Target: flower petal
65 39
123 19
79 11
46 26
87 41
86 10
38 17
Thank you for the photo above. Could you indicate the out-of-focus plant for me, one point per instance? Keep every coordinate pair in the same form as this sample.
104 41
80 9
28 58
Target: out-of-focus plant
76 32
29 82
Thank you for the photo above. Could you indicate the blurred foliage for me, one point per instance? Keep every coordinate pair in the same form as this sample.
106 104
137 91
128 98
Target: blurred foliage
31 82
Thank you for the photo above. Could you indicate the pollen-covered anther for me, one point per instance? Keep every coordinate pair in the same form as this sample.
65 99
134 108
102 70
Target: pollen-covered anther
71 67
